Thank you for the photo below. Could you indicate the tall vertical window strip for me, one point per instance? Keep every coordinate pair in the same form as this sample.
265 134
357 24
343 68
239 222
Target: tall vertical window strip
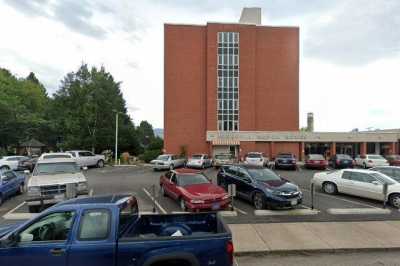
228 81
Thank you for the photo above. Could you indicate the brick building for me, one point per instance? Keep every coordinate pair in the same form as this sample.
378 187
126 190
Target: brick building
234 87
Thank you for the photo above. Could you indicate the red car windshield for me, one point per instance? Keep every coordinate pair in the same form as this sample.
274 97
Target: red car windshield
192 179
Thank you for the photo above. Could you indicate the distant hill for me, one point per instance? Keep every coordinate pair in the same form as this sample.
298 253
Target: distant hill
159 132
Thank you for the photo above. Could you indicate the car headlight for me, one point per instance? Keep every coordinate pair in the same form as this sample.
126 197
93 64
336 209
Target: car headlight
33 191
277 193
196 201
225 197
82 186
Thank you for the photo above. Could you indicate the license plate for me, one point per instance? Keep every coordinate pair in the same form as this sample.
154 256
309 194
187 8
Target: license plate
215 206
59 197
293 202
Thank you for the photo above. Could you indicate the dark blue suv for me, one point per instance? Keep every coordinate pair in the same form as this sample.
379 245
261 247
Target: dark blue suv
261 186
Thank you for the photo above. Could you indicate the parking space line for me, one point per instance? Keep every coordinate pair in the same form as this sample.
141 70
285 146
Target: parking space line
155 201
293 212
228 213
335 211
235 261
16 208
346 200
239 210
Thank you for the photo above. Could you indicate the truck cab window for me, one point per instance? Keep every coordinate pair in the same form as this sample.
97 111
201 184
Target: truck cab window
53 227
95 225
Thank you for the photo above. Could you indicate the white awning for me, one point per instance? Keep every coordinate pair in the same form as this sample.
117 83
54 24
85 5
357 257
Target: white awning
225 142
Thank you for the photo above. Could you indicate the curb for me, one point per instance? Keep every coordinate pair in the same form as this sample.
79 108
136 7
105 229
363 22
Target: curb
313 251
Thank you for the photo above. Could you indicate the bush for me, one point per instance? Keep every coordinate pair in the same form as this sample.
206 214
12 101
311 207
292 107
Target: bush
149 155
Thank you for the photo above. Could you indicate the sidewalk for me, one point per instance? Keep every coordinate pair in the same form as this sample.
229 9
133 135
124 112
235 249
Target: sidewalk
315 237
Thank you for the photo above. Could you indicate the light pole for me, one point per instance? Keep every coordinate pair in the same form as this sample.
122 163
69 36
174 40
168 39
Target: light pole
116 135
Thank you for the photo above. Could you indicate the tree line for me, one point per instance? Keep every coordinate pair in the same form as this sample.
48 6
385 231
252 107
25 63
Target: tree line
79 115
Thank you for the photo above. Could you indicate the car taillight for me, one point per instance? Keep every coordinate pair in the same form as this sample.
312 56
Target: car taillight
229 251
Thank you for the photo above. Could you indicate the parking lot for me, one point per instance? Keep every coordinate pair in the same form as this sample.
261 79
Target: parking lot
140 181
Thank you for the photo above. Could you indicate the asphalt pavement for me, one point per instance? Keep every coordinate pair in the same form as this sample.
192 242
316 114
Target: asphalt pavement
143 182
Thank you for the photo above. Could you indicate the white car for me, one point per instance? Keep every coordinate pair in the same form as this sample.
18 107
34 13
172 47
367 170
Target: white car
168 161
256 158
49 180
88 158
11 162
199 161
55 155
371 160
358 182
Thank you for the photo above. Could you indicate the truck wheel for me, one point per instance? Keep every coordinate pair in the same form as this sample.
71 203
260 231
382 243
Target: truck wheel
33 209
100 164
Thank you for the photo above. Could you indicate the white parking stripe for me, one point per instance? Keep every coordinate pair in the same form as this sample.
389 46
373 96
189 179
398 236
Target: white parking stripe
228 213
346 200
236 263
358 211
293 212
19 216
239 210
155 201
16 208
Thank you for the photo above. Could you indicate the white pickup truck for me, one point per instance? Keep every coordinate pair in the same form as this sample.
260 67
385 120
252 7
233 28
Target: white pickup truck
88 158
49 181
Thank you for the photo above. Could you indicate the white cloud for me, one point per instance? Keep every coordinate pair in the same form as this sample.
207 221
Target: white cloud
127 38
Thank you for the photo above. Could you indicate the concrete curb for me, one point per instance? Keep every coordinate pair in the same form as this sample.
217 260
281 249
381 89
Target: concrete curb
313 251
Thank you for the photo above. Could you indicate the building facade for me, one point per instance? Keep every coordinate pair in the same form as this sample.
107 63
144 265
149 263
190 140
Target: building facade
234 87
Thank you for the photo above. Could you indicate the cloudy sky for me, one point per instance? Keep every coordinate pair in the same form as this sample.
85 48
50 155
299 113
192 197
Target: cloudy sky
349 65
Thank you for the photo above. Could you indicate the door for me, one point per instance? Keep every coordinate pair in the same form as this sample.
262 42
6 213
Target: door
43 242
346 184
171 186
371 187
244 185
84 158
95 243
9 181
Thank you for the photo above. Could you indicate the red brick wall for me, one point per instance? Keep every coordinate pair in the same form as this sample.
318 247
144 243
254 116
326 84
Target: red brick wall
185 88
287 147
268 85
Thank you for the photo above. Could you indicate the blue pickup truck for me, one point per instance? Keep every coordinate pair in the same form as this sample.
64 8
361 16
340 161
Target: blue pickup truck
11 183
108 230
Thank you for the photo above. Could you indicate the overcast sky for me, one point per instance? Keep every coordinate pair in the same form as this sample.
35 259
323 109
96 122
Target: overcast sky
349 64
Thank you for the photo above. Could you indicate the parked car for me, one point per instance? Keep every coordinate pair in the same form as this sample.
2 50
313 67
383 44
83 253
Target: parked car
199 161
168 161
315 161
339 161
55 155
11 183
88 158
28 164
390 171
394 160
371 160
256 158
261 186
358 182
285 161
108 230
49 180
193 190
223 158
11 162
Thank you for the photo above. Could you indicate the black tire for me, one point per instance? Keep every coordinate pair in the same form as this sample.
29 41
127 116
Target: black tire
5 168
34 209
100 164
329 188
394 200
1 199
259 201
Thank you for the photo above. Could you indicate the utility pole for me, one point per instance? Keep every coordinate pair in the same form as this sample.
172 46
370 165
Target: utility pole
116 137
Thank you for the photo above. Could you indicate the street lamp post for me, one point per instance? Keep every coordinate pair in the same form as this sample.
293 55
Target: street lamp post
116 135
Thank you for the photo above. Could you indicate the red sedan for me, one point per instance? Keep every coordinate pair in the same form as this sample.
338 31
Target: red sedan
316 161
394 160
193 190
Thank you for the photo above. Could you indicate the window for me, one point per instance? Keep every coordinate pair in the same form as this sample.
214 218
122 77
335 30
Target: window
228 81
53 227
95 225
230 170
8 176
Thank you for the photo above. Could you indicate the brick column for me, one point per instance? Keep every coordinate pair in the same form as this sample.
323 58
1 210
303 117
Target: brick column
333 149
363 148
392 148
271 150
301 152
